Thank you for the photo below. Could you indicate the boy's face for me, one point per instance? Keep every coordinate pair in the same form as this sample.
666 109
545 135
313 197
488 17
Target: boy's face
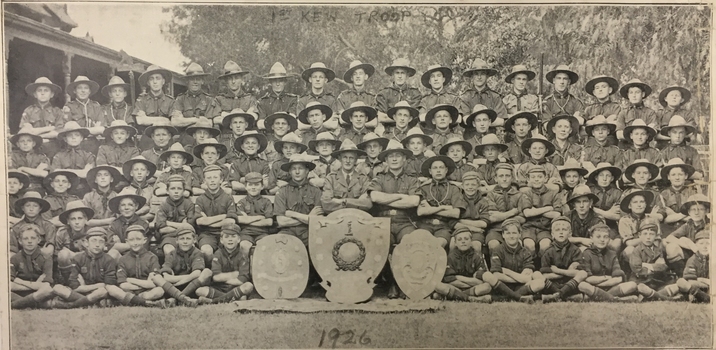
139 172
635 95
44 94
254 188
647 236
358 119
73 138
176 160
250 146
280 127
95 244
602 90
175 190
479 79
481 123
359 77
697 212
289 149
373 148
298 172
25 143
77 220
238 125
537 179
201 135
229 240
278 85
318 80
416 145
600 132
400 75
639 136
561 82
600 238
538 150
395 160
103 179
641 175
316 118
463 240
136 240
161 137
438 170
677 177
60 184
234 82
209 155
185 241
677 135
31 209
82 91
156 82
213 180
562 128
703 246
119 136
582 205
522 127
13 185
402 118
520 81
437 80
348 160
571 178
456 153
490 152
470 186
127 207
561 230
442 119
29 240
325 148
117 94
604 178
674 98
503 178
511 235
195 83
637 205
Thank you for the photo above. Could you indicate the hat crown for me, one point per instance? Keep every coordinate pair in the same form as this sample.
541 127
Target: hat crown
562 67
518 68
210 141
153 67
469 175
414 131
357 104
34 194
675 161
300 157
176 147
73 205
81 78
478 107
454 139
118 122
354 63
291 137
677 120
536 168
313 104
648 222
571 163
581 190
639 122
194 68
231 66
490 139
72 125
698 197
203 122
600 119
370 136
115 80
318 65
603 165
436 66
325 136
394 145
277 69
127 191
348 145
401 62
175 178
635 81
403 103
43 80
479 63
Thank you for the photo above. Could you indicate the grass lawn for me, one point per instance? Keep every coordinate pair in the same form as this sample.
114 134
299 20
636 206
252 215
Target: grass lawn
655 324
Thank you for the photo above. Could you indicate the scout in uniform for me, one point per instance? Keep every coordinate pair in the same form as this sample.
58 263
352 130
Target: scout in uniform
634 207
298 200
161 134
681 243
477 125
648 267
673 99
399 90
69 237
276 100
356 117
138 171
315 115
192 104
562 130
184 266
539 205
17 184
57 184
598 148
289 145
117 109
212 210
201 132
237 123
606 280
480 93
103 179
677 131
696 280
372 145
676 173
518 129
560 262
32 206
519 100
441 203
278 125
234 97
457 150
503 203
440 121
561 101
466 274
172 213
177 159
125 205
86 112
635 91
345 187
118 148
476 216
255 213
639 175
155 106
404 117
30 271
209 153
418 143
571 174
230 271
72 158
92 270
638 135
318 75
602 87
602 182
582 215
538 150
251 145
41 118
436 78
357 75
28 160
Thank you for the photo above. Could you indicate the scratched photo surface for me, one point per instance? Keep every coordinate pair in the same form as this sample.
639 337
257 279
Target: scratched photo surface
434 176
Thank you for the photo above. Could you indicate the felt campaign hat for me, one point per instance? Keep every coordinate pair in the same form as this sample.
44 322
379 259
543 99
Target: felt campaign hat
71 126
42 81
393 147
531 118
573 76
291 138
582 191
92 175
290 119
601 120
441 107
81 79
613 83
477 110
194 70
624 91
71 177
113 82
449 163
176 148
27 131
415 132
163 125
348 146
456 140
677 121
676 163
695 199
263 141
355 65
573 122
479 65
32 196
119 124
370 112
324 136
490 140
685 94
318 67
220 148
238 112
498 123
624 204
299 159
232 68
520 69
371 136
446 71
277 71
154 69
405 105
592 176
402 63
73 206
128 165
203 123
303 115
639 123
629 171
20 176
126 192
96 232
572 164
526 144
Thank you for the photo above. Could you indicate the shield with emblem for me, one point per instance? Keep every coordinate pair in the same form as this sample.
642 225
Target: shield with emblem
348 249
418 264
280 267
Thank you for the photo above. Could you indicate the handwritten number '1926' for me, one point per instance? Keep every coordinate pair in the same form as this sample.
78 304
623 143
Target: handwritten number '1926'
334 334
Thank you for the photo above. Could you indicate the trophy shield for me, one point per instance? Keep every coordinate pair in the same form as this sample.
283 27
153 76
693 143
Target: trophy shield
280 267
418 264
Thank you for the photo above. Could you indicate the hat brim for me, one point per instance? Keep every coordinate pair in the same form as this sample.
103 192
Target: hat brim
413 111
250 120
37 138
685 94
389 70
108 88
591 196
531 118
114 202
338 153
212 131
530 75
427 140
84 131
92 174
592 176
688 169
582 172
470 72
653 170
287 166
590 128
150 130
573 122
44 205
471 118
466 146
32 87
370 112
196 75
330 74
71 177
164 72
689 129
263 142
278 76
648 196
226 75
24 179
501 146
94 87
649 130
220 148
526 144
381 140
165 155
127 168
624 91
303 115
447 74
449 163
406 152
613 83
367 68
431 114
313 144
291 120
573 76
89 213
687 205
278 146
131 131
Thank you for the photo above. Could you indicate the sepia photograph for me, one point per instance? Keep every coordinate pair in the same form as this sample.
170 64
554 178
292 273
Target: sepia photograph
228 175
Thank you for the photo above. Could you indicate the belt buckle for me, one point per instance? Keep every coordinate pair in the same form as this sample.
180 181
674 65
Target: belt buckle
393 212
436 222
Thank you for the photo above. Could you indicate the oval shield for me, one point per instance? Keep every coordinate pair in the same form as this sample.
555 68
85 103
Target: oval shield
418 264
280 267
348 249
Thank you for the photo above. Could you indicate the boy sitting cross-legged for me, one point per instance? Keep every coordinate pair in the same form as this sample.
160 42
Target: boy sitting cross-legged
230 268
561 260
30 271
212 210
696 279
648 267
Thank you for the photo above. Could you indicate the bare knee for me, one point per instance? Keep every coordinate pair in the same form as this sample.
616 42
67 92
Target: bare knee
544 244
247 288
615 244
44 291
581 276
64 257
529 244
489 278
585 287
493 244
536 285
168 248
207 250
628 287
245 246
202 291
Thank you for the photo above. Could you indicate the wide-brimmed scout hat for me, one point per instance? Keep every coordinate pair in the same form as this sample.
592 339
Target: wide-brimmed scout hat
526 144
76 206
601 120
203 123
348 146
415 132
573 122
449 163
355 65
693 200
220 148
32 196
291 138
154 69
178 149
263 141
232 68
20 176
92 175
27 131
238 112
194 70
613 83
455 140
370 112
402 63
71 126
592 176
572 164
676 163
119 124
405 105
676 122
629 171
127 167
490 140
290 119
114 81
446 71
324 136
624 91
126 192
477 110
71 177
318 67
636 124
371 136
441 107
303 115
42 81
648 197
277 71
479 65
393 147
685 94
81 79
299 159
531 118
582 191
573 76
163 125
520 69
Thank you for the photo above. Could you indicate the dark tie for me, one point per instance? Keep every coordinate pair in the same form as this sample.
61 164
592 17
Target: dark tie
348 179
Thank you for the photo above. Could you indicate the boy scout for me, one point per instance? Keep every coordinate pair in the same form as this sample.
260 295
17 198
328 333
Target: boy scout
372 144
173 212
57 184
518 129
71 157
86 112
399 90
324 145
118 148
635 207
234 97
17 182
677 131
405 118
102 181
41 118
251 145
315 115
681 243
466 273
476 217
356 117
538 150
230 271
440 121
184 266
561 101
161 134
571 173
639 175
601 87
210 152
346 188
635 91
673 100
436 78
418 143
32 206
192 104
457 150
560 262
117 109
254 213
562 130
638 135
477 125
582 215
317 75
503 203
289 145
201 132
602 182
278 125
237 122
138 171
490 148
28 160
30 271
176 159
648 267
598 148
69 237
480 93
298 200
213 209
519 100
155 106
357 75
125 205
276 100
539 205
696 280
676 173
